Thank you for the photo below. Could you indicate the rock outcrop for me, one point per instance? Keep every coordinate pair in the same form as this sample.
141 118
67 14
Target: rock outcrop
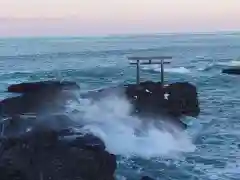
45 145
30 87
38 97
151 99
176 99
44 153
39 142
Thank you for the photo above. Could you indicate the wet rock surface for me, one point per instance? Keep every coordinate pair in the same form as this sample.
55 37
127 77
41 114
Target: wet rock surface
42 85
38 97
176 99
151 99
43 153
40 142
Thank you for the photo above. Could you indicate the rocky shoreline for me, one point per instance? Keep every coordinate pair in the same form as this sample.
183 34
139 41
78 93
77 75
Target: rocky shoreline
38 144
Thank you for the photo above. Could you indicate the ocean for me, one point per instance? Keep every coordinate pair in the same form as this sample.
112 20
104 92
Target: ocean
209 149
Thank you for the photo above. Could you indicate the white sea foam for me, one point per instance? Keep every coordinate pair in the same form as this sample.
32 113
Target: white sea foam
207 67
157 68
230 63
236 63
125 135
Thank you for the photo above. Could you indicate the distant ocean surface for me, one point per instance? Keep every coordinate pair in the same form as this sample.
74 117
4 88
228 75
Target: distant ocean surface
208 150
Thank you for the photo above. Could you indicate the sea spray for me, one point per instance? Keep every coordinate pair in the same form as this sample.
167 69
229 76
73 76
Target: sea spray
125 135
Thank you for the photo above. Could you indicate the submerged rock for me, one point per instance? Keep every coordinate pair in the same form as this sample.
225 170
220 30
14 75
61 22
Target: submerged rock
146 178
232 71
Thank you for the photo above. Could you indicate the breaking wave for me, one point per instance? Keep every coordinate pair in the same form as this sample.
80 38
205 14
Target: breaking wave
126 135
219 65
157 68
230 63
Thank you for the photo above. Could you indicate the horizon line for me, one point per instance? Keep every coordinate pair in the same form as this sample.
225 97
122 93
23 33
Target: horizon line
170 33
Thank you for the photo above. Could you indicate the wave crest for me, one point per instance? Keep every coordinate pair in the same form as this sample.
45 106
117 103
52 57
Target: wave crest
157 68
125 135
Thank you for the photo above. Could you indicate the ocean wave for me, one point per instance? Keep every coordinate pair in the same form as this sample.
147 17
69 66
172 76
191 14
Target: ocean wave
157 68
207 67
215 64
125 135
97 52
88 53
230 63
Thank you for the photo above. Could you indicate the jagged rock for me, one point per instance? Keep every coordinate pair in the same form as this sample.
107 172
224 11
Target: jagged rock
57 155
32 103
151 99
39 97
48 147
42 85
231 71
176 99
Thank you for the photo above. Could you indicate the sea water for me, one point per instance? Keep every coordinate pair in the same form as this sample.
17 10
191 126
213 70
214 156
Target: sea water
208 150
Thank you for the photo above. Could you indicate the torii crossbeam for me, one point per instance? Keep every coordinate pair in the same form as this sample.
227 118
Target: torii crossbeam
147 60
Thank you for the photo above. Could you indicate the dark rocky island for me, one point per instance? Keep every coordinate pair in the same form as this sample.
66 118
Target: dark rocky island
151 99
45 146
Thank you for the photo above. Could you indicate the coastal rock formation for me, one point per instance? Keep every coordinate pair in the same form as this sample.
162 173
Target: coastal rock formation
235 71
43 153
151 99
38 97
30 87
39 142
176 99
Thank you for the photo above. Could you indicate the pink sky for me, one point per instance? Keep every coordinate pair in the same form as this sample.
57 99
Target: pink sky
101 17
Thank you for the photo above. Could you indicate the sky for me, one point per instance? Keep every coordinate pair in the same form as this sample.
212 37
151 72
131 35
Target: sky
104 17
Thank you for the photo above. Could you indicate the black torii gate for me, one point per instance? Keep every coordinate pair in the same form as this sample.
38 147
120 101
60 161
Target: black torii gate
147 60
